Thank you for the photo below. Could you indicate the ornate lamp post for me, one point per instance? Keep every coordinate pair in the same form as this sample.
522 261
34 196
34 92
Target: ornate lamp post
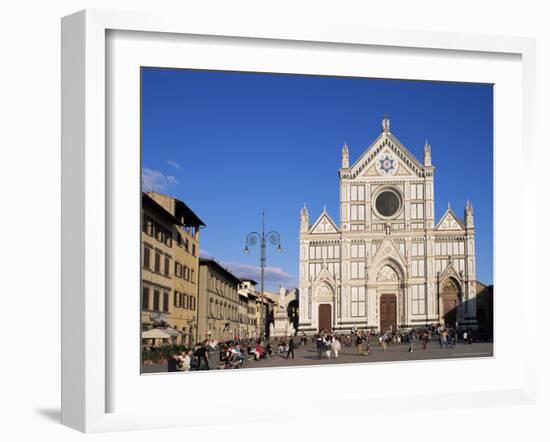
251 240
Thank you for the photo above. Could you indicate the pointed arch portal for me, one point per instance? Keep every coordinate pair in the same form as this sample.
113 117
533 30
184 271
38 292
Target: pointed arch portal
388 278
450 300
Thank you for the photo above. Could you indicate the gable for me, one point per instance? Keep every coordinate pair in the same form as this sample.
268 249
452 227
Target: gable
450 271
324 225
325 275
450 221
387 249
386 164
386 156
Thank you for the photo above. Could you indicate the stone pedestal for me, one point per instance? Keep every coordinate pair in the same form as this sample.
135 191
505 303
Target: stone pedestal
281 325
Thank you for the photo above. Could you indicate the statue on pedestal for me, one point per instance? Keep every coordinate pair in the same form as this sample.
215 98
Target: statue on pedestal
282 326
281 304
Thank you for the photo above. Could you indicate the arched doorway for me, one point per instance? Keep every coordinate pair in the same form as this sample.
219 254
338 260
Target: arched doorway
388 312
325 317
450 299
323 302
388 289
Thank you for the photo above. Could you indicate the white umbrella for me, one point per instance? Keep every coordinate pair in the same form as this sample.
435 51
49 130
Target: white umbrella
155 333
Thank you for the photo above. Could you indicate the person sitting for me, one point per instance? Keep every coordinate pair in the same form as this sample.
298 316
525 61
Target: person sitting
225 357
194 361
180 360
252 352
185 361
239 355
260 351
173 362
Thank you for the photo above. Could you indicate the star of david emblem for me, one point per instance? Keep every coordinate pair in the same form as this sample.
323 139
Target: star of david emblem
387 164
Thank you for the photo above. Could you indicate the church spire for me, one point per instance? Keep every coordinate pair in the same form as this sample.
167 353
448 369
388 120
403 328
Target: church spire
386 123
304 219
345 156
469 214
427 154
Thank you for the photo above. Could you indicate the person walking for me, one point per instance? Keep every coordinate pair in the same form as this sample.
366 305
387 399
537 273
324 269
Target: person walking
327 343
336 346
465 337
359 344
384 341
201 353
290 348
443 339
367 344
320 344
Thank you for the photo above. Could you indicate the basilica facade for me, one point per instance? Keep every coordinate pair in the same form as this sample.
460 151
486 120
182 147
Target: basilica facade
388 264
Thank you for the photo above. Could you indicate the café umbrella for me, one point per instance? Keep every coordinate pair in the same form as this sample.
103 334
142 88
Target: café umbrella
155 333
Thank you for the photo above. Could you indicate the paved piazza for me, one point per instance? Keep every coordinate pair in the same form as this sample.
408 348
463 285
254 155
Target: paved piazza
307 355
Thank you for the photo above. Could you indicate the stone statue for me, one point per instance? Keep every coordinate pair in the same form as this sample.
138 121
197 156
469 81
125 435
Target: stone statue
281 323
282 293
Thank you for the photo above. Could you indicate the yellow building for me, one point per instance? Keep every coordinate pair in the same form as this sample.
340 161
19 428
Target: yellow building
170 261
243 331
218 311
247 289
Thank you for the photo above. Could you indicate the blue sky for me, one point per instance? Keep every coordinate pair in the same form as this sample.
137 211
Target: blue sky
231 144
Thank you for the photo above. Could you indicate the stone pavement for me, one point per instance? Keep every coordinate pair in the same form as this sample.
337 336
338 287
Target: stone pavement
307 355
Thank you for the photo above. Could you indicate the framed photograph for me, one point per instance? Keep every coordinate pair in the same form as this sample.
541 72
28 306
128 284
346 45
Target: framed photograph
397 273
269 207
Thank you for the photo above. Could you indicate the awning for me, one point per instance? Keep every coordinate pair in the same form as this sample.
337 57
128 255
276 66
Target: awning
155 333
172 331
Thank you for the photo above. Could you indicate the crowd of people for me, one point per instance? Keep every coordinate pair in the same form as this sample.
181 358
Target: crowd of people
327 344
236 353
447 337
212 354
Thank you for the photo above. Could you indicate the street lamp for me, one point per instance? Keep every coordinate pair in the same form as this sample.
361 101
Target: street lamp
251 240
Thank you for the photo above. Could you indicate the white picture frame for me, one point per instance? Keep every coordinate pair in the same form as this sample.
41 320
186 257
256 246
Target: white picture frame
87 230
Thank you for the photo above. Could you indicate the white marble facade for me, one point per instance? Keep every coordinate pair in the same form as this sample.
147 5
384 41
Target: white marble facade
388 265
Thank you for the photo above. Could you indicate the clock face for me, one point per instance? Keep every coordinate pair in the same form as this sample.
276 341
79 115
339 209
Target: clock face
388 203
386 164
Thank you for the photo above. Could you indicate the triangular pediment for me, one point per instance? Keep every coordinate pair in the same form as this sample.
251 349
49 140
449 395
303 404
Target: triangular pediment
450 221
450 271
395 168
386 157
324 224
388 250
325 276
